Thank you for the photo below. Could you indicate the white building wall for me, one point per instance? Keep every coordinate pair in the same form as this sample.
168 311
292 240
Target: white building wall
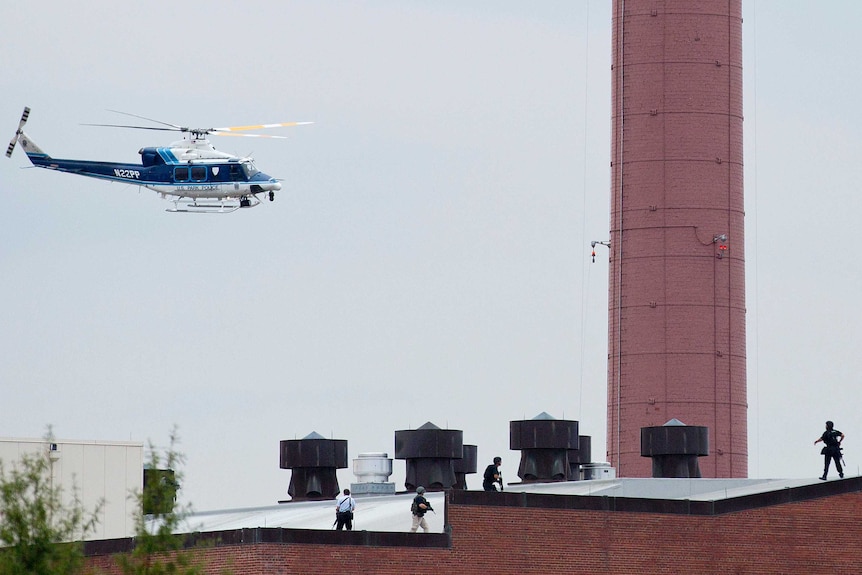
98 470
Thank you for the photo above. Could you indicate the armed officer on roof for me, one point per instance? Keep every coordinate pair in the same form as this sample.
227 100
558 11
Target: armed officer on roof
832 439
492 476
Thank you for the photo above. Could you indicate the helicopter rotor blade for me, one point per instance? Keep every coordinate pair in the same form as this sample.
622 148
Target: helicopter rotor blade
137 127
18 132
260 127
200 132
180 128
231 131
248 135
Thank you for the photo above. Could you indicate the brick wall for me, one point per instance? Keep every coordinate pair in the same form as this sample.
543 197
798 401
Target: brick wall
676 309
810 530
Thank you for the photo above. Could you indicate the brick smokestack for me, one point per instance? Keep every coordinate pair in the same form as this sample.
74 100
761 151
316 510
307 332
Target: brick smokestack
677 275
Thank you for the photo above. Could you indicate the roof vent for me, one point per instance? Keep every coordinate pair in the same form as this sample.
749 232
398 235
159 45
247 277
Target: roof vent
372 471
313 461
545 444
674 448
430 453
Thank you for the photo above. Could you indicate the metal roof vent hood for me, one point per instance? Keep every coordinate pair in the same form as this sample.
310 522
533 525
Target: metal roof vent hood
372 471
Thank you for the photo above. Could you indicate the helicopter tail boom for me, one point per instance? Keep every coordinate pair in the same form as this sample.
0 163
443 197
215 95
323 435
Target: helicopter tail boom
33 151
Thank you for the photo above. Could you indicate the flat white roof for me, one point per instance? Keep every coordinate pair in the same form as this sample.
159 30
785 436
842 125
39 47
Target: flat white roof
392 512
373 513
42 440
648 488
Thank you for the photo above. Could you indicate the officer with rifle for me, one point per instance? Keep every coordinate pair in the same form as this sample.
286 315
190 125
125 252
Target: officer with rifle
419 508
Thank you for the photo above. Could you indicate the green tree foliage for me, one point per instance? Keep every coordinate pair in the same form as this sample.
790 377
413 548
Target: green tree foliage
39 534
157 550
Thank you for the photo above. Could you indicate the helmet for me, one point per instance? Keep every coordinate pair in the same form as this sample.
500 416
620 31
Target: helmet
420 490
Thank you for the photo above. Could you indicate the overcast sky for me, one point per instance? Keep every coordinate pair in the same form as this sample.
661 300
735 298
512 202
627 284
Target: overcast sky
428 257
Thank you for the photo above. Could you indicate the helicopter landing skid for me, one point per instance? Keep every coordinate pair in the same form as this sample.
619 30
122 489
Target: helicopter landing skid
225 206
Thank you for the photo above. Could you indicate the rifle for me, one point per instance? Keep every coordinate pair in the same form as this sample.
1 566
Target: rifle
415 508
500 480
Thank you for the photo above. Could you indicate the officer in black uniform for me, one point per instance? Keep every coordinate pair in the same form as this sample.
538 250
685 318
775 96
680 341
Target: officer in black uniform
832 439
492 476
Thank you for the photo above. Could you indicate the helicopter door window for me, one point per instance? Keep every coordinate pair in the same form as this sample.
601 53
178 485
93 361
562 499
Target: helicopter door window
181 174
199 173
236 174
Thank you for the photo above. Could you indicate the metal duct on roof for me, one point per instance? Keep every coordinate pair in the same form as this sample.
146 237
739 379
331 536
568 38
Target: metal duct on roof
430 453
544 443
313 462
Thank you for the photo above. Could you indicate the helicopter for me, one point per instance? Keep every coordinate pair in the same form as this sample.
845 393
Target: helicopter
191 173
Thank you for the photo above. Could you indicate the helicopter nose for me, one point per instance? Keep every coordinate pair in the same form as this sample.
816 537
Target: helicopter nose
275 186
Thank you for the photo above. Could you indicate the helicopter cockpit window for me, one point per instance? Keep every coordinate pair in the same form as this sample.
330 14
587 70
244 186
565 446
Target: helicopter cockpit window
249 169
181 174
199 173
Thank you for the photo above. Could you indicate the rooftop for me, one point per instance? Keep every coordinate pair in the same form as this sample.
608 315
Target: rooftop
392 512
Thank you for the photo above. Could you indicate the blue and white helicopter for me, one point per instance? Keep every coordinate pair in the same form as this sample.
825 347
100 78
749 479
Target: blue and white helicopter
191 172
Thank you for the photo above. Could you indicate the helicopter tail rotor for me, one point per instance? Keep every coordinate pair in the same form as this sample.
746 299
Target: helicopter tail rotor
18 132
